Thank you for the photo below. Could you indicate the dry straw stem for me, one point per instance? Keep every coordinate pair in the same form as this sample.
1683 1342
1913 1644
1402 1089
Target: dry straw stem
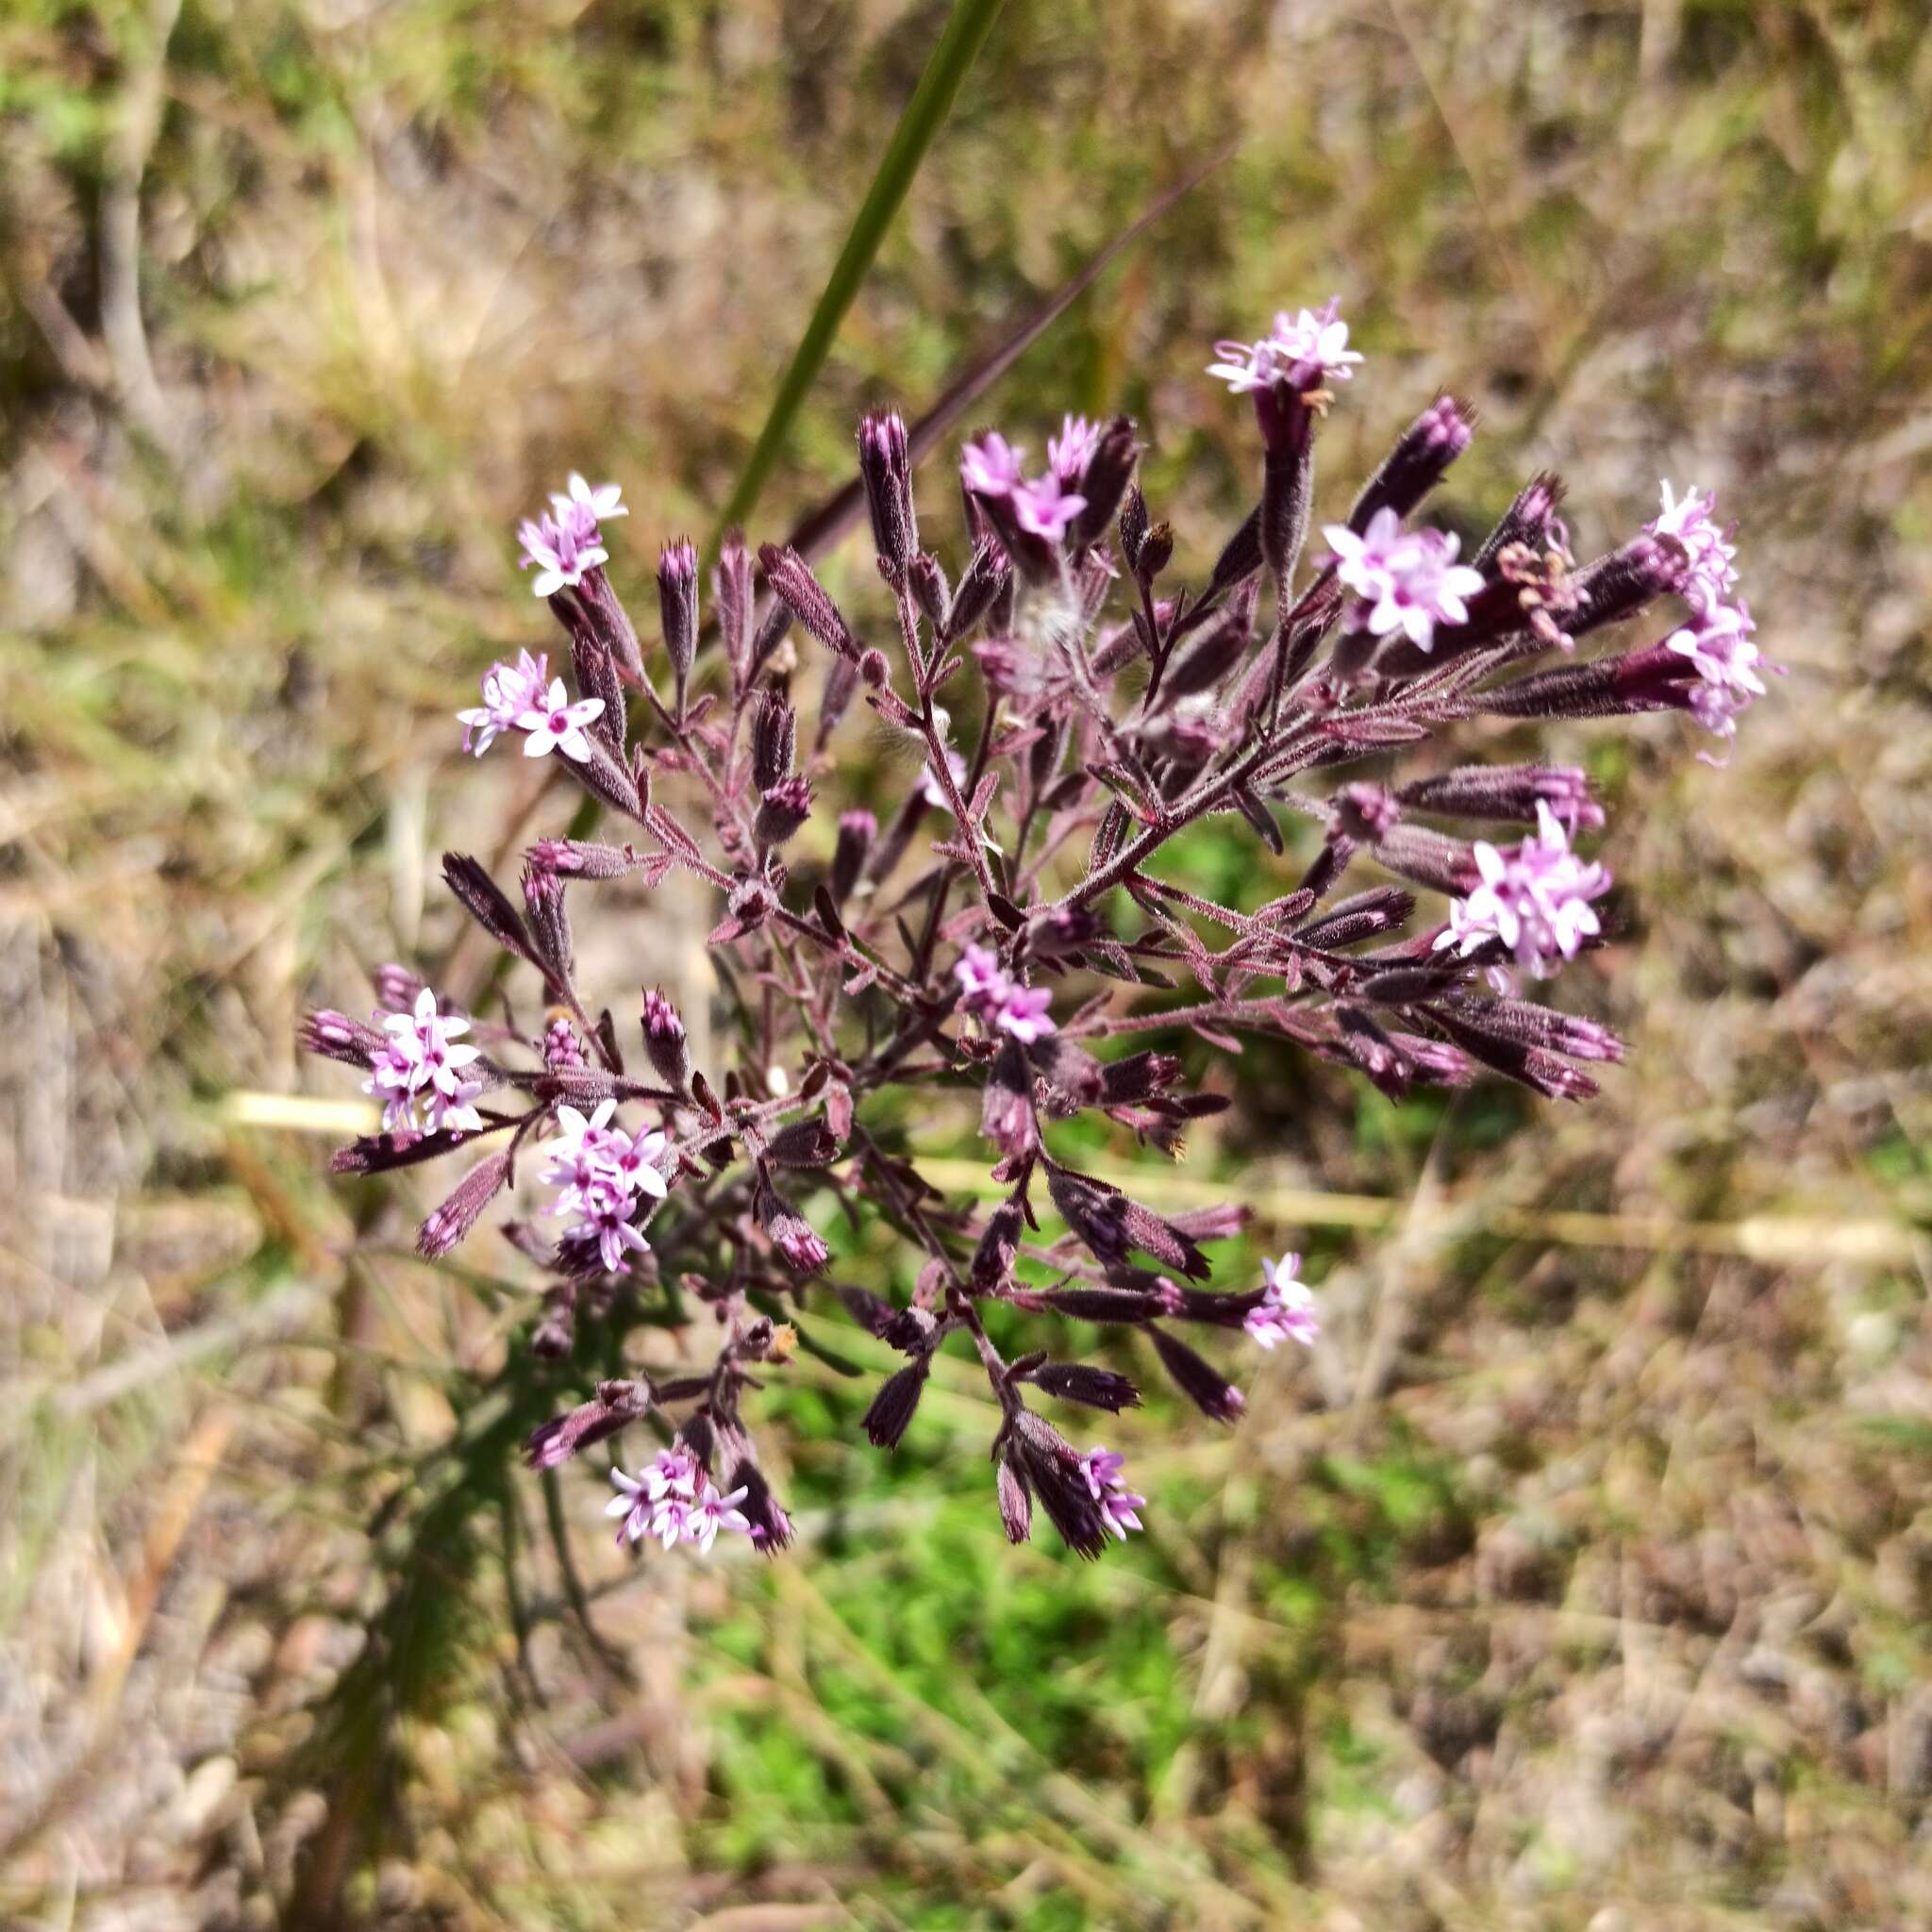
1786 1240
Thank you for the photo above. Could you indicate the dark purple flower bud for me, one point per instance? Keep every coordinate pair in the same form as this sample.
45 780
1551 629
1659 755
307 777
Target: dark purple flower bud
886 469
931 590
1016 1501
617 1404
774 628
1429 858
1531 1066
1653 679
385 1153
791 1233
1218 1223
1383 908
773 740
1051 1468
1288 477
1073 1078
678 607
1530 521
733 586
1510 792
1107 1305
803 1143
1525 1024
857 832
783 808
1417 464
987 574
484 901
770 1527
1222 643
335 1037
665 1046
1060 930
1620 585
911 1331
1433 1063
1111 1227
871 1313
992 1259
580 859
1104 481
397 988
549 925
891 1408
1200 1381
792 581
1138 1076
1077 1382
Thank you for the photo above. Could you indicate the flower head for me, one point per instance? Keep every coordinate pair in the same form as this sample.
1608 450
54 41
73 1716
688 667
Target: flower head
1706 578
418 1070
992 466
1305 352
672 1499
561 547
508 692
1024 1013
1118 1504
1069 453
586 506
1286 1311
600 1172
557 725
1404 580
1534 899
1046 508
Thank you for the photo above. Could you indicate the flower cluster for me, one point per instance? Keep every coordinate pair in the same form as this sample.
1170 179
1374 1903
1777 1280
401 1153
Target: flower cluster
606 1180
1534 901
420 1072
672 1499
1014 919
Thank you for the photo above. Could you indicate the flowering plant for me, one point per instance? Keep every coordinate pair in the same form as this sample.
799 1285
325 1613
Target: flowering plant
1111 710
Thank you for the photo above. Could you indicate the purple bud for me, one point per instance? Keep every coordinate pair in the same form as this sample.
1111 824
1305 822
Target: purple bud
556 1441
733 588
857 831
770 1527
484 901
773 740
1203 1384
581 858
891 1408
1531 521
801 593
549 925
1510 792
992 1259
564 1052
783 808
1016 1501
335 1037
396 987
886 469
1620 585
1077 1382
930 590
1104 481
1050 1469
1418 462
678 607
791 1233
665 1046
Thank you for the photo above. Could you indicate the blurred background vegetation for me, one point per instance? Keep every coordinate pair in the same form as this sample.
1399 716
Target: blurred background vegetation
1580 1578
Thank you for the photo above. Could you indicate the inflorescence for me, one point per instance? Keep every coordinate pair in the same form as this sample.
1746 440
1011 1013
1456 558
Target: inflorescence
998 923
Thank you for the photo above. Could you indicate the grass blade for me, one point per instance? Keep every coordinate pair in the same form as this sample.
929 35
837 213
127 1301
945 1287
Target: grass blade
829 521
932 100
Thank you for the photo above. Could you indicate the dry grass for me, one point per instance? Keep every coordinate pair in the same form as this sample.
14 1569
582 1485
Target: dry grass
1583 1579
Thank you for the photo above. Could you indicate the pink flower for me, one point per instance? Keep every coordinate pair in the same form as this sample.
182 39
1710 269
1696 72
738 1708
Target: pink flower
599 1172
586 506
983 980
419 1072
1535 900
1287 1309
1305 352
1405 581
1102 1468
1707 579
557 725
1718 645
674 1500
562 548
1024 1013
1046 509
991 467
1069 453
508 692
